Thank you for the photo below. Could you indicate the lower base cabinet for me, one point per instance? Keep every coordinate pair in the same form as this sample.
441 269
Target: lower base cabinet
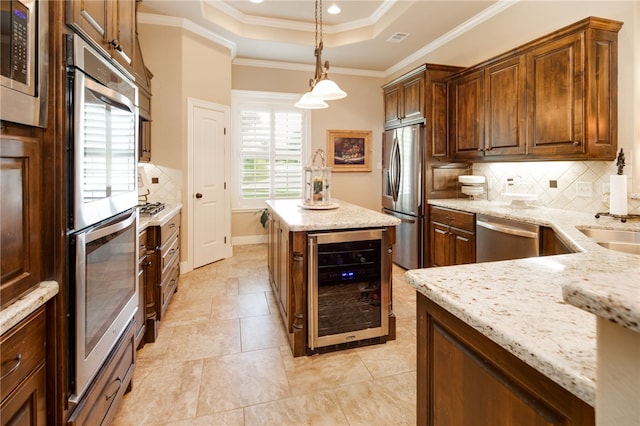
100 403
464 378
23 382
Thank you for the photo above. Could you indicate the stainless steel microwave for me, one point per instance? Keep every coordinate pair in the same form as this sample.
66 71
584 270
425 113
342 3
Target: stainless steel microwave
24 61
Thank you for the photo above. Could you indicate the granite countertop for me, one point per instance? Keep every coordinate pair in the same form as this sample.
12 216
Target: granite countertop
346 216
26 304
160 218
527 305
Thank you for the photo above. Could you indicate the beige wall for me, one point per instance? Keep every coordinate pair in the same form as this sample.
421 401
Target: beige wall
360 110
184 65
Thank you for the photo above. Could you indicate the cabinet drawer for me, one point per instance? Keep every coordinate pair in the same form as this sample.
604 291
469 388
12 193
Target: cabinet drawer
170 254
454 218
99 404
21 349
168 286
169 228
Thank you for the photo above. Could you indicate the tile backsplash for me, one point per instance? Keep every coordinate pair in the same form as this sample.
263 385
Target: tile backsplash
580 185
169 186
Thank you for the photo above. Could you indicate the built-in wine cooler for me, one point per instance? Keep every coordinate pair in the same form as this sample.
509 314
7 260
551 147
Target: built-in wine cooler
348 288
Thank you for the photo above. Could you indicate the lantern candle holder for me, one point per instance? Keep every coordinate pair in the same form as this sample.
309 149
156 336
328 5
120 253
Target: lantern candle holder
317 180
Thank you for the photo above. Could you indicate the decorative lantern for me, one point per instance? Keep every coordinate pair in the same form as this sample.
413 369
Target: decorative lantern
317 191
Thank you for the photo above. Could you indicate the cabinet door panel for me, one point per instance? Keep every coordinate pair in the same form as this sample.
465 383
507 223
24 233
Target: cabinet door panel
556 82
20 220
439 122
91 17
413 98
464 247
440 245
391 106
505 108
468 116
124 31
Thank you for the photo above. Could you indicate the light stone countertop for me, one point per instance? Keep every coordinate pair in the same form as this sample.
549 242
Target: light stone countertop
26 304
160 218
526 305
346 216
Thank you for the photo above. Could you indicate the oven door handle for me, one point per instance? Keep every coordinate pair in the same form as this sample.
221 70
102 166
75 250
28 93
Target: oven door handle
109 96
99 232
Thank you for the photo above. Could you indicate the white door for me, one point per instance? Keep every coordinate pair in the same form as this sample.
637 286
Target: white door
210 195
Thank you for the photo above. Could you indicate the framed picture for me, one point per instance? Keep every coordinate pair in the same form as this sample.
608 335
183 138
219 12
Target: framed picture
349 150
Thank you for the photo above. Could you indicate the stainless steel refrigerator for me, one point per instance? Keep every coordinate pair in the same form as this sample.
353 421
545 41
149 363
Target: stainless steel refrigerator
402 192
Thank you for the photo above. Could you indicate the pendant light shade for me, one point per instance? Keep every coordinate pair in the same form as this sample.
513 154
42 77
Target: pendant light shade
321 87
308 101
328 90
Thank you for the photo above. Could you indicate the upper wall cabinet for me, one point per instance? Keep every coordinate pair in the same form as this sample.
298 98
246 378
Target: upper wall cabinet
109 23
552 99
404 99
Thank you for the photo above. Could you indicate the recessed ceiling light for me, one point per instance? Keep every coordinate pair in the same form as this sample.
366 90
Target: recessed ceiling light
256 1
334 9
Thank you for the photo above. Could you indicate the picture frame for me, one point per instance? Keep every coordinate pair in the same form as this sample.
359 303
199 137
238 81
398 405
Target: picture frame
349 150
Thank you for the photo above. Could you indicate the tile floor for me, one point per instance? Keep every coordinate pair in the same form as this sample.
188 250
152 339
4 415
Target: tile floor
222 358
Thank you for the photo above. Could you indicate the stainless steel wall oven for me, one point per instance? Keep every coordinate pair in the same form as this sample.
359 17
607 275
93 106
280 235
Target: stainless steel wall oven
102 218
348 287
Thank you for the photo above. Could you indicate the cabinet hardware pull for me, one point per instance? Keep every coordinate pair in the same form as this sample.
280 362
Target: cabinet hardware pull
18 361
576 143
172 225
118 382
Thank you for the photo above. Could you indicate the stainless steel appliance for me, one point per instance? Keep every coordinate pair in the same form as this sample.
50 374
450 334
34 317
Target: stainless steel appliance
24 61
103 152
402 192
348 294
104 259
504 239
102 214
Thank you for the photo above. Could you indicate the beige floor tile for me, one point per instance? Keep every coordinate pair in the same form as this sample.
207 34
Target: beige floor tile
254 283
204 340
262 332
223 286
315 409
164 394
227 418
309 374
393 357
186 311
387 401
241 306
240 380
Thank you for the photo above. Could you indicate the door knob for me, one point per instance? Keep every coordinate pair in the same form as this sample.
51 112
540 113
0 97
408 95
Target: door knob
198 195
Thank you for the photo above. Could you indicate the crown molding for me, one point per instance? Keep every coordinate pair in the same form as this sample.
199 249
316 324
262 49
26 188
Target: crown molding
171 21
292 66
456 32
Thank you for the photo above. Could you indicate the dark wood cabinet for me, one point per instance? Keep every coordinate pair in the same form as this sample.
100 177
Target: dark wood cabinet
143 277
163 243
110 24
465 378
554 98
404 99
467 117
278 263
452 237
20 201
23 384
144 136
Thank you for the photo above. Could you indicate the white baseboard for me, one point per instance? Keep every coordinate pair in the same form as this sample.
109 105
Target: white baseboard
249 239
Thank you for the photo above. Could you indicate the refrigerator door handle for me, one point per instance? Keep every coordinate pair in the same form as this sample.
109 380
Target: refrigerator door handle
395 169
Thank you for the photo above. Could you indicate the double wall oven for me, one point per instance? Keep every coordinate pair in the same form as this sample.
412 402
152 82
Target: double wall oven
102 218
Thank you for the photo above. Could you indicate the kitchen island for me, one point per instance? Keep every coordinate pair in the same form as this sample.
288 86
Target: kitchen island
291 226
532 310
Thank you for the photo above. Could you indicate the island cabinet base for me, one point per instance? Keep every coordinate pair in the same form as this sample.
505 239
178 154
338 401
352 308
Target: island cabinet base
288 261
464 378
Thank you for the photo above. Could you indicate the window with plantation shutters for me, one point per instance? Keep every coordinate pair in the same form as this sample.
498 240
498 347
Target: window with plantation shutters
270 145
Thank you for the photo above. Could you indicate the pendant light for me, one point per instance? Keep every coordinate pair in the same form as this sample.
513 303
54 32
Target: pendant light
321 87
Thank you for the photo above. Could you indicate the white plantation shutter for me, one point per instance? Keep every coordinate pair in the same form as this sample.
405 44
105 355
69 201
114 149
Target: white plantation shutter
270 135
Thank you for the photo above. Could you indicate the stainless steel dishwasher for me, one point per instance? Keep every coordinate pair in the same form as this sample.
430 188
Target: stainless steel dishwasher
504 239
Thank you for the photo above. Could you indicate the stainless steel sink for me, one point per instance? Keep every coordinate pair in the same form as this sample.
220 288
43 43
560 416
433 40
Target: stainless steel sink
623 241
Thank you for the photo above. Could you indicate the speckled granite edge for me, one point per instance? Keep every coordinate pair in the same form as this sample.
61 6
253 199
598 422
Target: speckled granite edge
617 300
160 218
28 303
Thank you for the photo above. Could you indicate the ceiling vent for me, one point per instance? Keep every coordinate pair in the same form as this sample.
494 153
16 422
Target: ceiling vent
397 37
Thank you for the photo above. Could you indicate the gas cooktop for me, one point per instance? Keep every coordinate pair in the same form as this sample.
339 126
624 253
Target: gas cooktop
149 209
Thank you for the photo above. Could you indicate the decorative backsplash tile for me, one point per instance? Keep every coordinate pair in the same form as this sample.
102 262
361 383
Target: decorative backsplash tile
169 186
580 185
